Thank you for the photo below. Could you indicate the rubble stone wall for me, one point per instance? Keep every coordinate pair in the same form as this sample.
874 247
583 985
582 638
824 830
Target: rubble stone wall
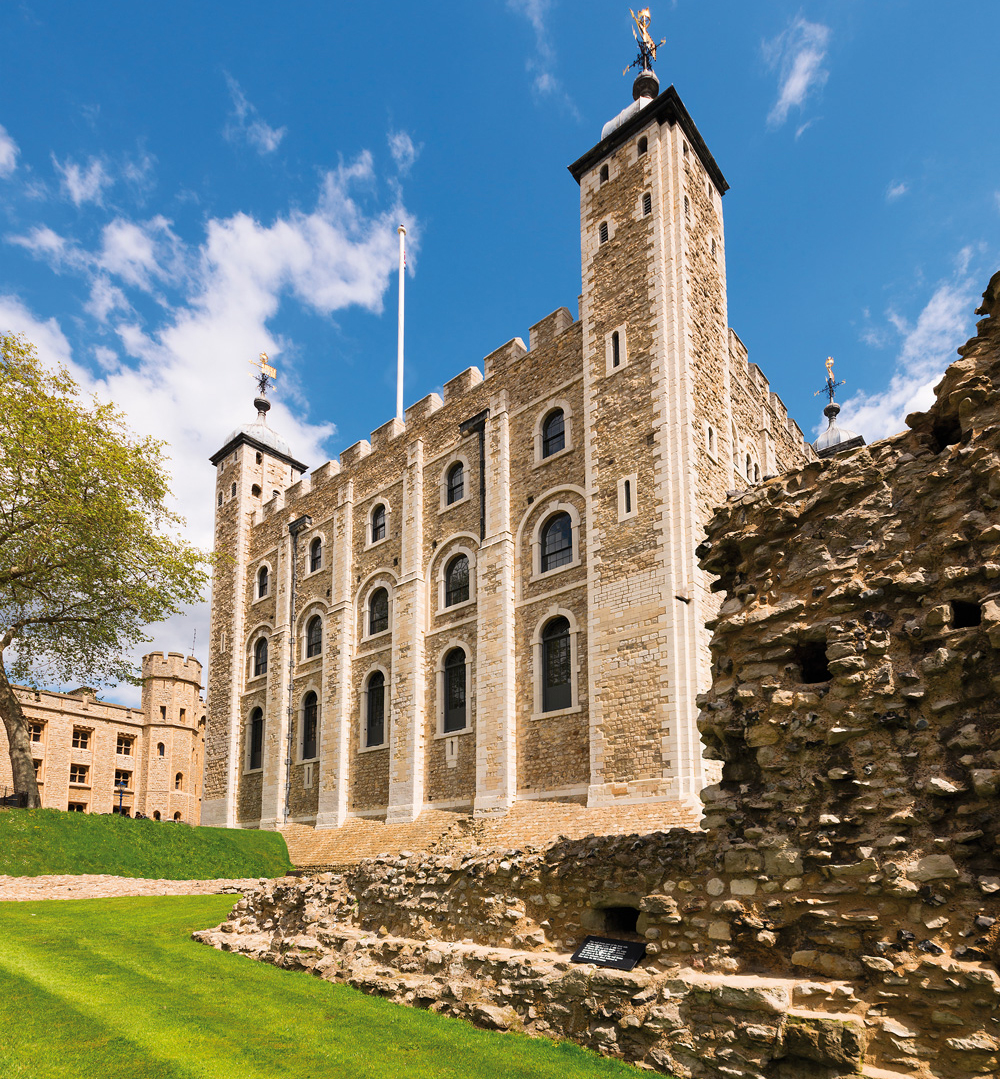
839 913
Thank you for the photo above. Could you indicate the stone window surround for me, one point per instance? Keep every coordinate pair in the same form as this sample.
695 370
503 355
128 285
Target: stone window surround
540 419
363 710
78 729
711 437
609 355
623 513
321 536
469 728
257 597
312 608
551 509
262 629
380 578
312 686
536 664
383 501
443 557
452 460
248 731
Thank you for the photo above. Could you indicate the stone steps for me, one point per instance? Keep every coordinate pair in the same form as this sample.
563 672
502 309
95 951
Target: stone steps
527 824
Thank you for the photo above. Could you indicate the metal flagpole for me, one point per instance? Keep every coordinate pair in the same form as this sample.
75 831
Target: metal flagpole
399 347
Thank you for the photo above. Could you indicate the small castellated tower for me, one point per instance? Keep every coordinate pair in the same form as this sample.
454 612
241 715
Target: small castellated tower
659 420
254 466
172 745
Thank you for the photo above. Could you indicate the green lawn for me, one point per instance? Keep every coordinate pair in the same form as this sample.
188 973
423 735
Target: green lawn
37 841
115 989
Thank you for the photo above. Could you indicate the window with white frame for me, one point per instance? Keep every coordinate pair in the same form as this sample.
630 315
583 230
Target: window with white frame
553 432
374 710
455 484
314 636
627 497
255 755
616 349
310 725
378 611
556 666
455 692
456 580
556 541
263 581
260 657
378 523
316 555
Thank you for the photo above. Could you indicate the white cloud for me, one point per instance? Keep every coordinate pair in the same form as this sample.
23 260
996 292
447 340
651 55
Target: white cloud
84 183
896 190
404 151
926 348
184 379
797 55
246 125
541 65
8 153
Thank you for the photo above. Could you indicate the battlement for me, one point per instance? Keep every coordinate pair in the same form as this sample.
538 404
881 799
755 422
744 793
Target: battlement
171 665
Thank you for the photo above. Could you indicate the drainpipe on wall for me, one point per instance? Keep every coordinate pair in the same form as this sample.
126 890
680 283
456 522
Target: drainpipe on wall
295 527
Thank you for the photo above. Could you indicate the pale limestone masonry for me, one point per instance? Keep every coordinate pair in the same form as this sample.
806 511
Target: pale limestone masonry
662 414
151 746
840 913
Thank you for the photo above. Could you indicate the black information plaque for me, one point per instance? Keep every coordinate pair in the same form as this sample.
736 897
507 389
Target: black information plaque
603 952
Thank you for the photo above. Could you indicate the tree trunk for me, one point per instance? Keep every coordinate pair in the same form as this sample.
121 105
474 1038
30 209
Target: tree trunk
21 765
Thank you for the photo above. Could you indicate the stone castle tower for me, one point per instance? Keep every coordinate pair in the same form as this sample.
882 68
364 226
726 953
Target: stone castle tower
617 433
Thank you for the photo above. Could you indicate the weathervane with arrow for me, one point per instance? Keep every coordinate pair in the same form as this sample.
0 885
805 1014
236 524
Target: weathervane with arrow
830 388
647 46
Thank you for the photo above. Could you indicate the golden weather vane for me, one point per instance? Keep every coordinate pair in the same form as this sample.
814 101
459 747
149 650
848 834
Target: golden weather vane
267 373
647 46
830 388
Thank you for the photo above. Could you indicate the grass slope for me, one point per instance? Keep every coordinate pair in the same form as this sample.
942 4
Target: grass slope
98 988
37 841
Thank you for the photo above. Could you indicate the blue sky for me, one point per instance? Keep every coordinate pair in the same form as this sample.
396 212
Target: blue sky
184 185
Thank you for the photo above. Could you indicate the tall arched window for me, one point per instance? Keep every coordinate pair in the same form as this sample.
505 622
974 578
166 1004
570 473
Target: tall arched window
604 174
315 555
454 691
378 523
553 433
643 145
256 738
179 781
616 349
260 657
749 468
262 582
557 677
314 636
310 715
557 542
456 581
161 749
456 482
378 611
375 718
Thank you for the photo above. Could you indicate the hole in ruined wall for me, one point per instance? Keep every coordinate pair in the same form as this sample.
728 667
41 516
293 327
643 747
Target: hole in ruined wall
620 919
965 613
810 657
946 432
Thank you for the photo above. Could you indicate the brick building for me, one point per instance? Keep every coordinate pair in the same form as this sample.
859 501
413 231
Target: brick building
499 599
83 747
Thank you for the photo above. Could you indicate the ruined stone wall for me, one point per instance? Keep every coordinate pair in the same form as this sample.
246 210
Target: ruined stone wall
839 913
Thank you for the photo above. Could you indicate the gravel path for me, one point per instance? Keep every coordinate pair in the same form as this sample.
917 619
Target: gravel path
101 886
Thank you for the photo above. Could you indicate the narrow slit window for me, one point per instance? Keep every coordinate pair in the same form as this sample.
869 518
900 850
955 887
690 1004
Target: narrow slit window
647 204
603 232
643 145
628 496
605 174
687 207
616 349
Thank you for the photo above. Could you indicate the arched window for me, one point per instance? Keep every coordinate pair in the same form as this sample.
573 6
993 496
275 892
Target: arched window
220 498
161 749
260 657
756 473
602 232
378 523
156 814
262 582
711 440
604 174
375 718
687 206
177 815
713 247
378 611
256 738
454 691
647 206
557 678
233 491
749 468
256 491
315 555
456 482
616 349
553 433
643 145
557 542
314 636
310 713
456 581
179 781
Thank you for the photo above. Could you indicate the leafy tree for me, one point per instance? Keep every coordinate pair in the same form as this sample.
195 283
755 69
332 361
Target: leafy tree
88 550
